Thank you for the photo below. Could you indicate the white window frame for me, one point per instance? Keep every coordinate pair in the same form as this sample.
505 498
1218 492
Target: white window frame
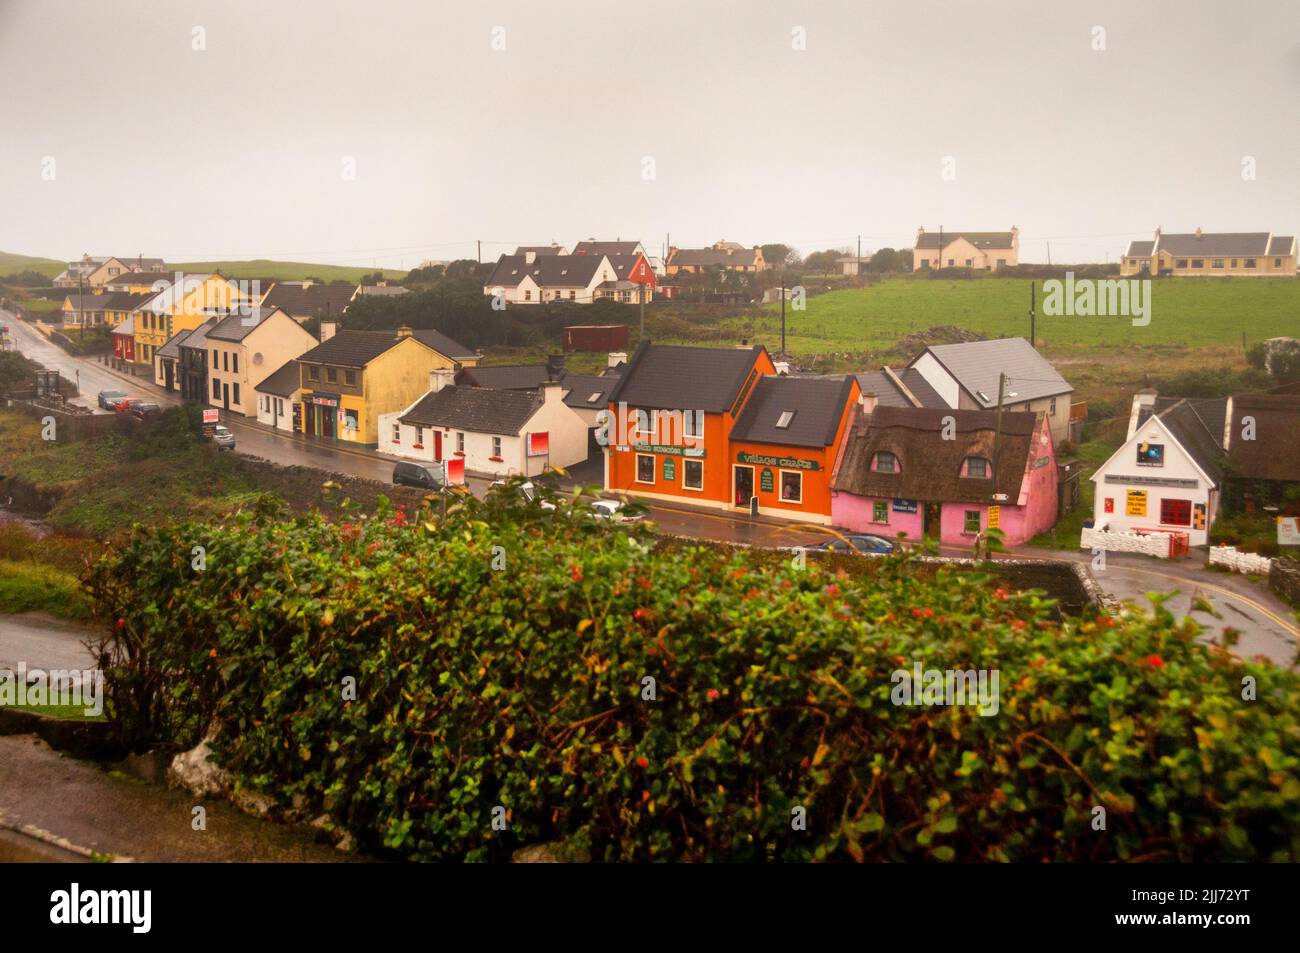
397 432
780 486
636 469
460 441
496 445
687 461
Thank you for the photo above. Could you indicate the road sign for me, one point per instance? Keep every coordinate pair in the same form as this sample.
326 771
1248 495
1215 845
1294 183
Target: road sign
210 415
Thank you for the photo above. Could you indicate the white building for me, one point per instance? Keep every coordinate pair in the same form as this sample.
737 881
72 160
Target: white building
497 432
531 278
279 397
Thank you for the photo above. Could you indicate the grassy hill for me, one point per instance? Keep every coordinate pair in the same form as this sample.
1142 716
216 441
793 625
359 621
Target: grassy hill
1184 311
283 270
12 264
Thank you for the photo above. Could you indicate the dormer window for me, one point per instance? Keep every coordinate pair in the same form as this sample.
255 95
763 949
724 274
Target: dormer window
977 468
884 462
783 422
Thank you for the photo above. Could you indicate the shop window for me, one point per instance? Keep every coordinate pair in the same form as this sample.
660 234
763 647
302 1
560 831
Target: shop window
1176 512
972 522
791 486
884 462
645 468
693 474
351 420
880 511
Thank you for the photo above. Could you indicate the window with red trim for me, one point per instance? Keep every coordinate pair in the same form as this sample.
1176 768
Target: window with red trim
1176 512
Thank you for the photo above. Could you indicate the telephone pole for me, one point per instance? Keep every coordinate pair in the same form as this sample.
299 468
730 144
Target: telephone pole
1033 317
479 245
997 428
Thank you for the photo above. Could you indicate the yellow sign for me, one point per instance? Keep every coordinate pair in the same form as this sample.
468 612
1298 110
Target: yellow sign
995 516
1137 503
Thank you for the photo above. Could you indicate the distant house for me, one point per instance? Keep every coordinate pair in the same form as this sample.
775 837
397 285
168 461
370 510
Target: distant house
1249 254
593 247
84 310
381 290
498 432
124 344
541 250
721 256
1185 460
302 300
983 251
94 273
965 376
854 265
532 279
899 473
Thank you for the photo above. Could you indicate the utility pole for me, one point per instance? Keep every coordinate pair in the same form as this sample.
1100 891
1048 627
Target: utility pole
1033 317
997 428
857 265
641 294
1049 253
940 246
479 245
783 313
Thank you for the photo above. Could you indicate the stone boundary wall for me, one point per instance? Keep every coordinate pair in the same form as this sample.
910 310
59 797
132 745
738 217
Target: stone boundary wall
1155 544
1284 579
1231 558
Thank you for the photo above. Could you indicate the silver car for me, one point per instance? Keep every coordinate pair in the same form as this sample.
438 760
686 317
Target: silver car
223 438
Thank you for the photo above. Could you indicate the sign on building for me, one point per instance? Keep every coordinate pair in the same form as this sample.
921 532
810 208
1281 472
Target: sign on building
1288 530
995 517
1136 503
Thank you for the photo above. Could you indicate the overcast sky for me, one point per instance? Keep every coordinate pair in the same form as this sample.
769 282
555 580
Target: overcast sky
242 149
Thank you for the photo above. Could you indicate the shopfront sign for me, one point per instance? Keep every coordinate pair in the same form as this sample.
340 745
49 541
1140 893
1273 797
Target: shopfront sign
321 401
668 450
1136 503
670 469
904 506
785 463
766 481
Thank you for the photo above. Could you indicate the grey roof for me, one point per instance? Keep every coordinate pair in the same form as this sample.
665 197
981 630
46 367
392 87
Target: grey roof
930 240
976 365
88 302
172 348
351 348
710 257
580 388
1282 245
670 377
478 409
815 405
1189 429
442 344
142 277
549 271
283 382
383 290
887 391
1214 243
314 300
1212 412
198 338
1139 249
542 250
238 324
592 247
503 376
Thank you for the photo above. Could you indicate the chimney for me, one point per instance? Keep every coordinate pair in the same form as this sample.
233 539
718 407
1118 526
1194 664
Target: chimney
555 367
1198 231
404 331
868 402
327 330
552 392
1143 399
441 377
530 257
782 368
616 358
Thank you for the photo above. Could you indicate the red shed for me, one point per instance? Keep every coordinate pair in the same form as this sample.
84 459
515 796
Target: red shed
595 337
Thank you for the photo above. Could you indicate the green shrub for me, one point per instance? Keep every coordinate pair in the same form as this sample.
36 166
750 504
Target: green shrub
522 687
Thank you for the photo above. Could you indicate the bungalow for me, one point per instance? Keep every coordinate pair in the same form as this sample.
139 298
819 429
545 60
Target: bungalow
1248 254
354 377
716 427
84 310
95 273
722 256
279 398
966 377
498 432
247 348
983 251
950 474
310 299
531 278
121 304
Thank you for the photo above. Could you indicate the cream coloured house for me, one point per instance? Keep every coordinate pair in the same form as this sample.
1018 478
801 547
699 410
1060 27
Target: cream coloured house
245 349
983 251
1198 253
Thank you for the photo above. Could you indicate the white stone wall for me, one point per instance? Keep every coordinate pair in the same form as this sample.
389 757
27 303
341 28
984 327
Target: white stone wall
1240 562
1156 544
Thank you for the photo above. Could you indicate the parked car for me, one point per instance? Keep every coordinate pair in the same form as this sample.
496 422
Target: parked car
613 511
223 438
863 544
425 476
145 408
126 403
108 398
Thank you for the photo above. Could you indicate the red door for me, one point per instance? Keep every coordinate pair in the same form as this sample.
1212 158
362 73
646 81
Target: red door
437 445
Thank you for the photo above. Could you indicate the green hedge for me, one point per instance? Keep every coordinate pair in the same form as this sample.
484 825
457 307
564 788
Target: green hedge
522 688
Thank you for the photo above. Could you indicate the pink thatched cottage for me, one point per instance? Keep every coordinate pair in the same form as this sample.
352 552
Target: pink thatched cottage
931 472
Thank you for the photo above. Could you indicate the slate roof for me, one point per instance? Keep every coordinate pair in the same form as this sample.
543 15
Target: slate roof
887 392
976 365
1282 245
580 387
283 382
477 409
239 324
351 348
549 271
198 338
142 277
542 250
671 377
127 300
709 257
815 403
442 344
315 300
930 240
592 247
172 348
1215 244
1139 249
929 466
504 376
87 302
1274 454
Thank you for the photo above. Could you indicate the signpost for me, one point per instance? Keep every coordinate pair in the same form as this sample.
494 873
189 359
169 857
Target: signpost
210 417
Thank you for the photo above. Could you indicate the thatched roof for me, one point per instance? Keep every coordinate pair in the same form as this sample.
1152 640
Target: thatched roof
930 467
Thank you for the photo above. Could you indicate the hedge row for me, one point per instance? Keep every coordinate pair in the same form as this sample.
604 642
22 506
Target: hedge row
519 693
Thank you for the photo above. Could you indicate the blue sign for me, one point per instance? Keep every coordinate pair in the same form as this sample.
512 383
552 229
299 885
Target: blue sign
904 506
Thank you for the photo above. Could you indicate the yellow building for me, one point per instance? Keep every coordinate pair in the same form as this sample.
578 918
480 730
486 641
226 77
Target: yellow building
1210 254
182 306
354 376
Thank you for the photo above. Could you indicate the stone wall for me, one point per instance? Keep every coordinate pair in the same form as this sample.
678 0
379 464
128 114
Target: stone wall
1155 544
1284 579
1231 558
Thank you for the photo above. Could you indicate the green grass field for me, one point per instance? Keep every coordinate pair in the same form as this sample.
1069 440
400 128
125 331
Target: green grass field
11 264
281 270
1184 312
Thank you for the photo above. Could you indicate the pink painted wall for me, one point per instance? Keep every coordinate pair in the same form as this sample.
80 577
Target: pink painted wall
854 513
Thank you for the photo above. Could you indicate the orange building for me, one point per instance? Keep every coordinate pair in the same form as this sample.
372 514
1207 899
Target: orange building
717 427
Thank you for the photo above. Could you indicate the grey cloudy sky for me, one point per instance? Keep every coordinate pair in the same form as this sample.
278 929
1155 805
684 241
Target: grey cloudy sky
238 150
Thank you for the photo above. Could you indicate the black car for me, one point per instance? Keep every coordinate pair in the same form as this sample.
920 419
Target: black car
425 476
108 398
864 544
145 409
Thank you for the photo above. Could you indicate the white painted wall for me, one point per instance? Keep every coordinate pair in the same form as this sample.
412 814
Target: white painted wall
275 412
938 378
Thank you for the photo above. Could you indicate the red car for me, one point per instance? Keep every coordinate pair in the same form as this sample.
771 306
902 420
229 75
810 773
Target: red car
126 403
